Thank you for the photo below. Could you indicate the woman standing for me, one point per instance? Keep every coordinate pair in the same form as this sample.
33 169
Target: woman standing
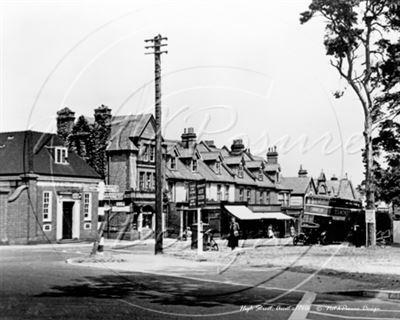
233 238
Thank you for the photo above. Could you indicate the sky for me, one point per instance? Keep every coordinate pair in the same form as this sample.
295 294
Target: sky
234 69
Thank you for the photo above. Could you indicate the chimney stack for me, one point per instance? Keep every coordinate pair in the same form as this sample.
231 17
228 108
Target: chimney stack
237 147
65 123
302 172
188 138
272 155
102 115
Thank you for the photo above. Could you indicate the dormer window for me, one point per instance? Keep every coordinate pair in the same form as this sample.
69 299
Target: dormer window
260 175
218 167
173 163
61 155
240 171
194 165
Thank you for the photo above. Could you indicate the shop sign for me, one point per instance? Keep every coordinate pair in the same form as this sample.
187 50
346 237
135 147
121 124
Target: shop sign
192 195
201 194
113 196
370 216
121 209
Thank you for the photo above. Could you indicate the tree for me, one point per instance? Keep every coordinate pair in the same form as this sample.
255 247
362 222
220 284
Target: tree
388 141
99 137
355 39
79 140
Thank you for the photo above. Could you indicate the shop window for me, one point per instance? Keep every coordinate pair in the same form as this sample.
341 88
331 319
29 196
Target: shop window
61 155
47 206
87 206
308 218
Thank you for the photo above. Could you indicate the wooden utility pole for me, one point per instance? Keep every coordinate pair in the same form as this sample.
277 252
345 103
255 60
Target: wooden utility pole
156 46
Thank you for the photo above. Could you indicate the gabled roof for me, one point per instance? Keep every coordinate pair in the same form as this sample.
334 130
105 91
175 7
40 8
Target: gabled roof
182 172
209 174
210 156
203 147
322 177
123 128
233 160
247 178
342 188
170 146
254 164
224 151
265 183
298 185
31 151
187 153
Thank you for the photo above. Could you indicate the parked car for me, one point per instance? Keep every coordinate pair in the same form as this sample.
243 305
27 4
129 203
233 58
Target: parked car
311 234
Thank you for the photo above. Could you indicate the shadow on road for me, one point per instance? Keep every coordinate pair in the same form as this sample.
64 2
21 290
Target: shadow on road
167 291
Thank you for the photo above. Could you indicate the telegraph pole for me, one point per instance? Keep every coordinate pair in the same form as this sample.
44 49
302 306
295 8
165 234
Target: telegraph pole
156 46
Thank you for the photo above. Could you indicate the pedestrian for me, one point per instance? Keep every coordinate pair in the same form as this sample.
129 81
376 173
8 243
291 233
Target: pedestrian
270 232
292 231
233 238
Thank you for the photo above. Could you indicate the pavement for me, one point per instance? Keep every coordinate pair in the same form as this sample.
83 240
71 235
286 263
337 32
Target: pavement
276 253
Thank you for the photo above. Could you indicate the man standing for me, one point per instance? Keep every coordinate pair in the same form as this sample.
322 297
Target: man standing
233 238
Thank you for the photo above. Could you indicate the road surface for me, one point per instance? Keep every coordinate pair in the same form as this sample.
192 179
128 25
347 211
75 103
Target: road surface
37 283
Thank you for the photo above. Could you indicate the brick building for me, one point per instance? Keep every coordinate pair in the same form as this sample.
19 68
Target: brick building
47 193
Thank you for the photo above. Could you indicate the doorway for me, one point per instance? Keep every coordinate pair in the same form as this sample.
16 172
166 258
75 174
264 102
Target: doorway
67 209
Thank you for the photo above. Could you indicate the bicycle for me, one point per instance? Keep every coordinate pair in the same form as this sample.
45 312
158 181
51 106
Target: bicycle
211 244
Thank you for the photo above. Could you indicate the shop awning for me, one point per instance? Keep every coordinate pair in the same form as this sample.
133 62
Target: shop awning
274 215
244 213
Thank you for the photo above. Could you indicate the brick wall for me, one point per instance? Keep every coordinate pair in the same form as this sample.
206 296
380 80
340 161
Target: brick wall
17 219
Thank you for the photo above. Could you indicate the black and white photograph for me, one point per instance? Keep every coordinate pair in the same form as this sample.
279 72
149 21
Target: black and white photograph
198 159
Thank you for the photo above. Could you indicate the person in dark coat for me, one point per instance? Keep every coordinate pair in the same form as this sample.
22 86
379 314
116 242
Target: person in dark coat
233 238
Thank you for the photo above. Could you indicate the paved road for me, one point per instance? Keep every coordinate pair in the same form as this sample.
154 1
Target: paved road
36 283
